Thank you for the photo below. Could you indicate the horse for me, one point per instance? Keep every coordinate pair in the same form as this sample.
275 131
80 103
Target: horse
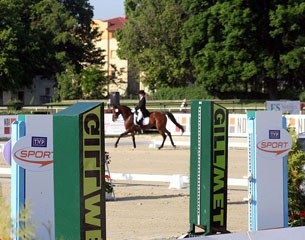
156 119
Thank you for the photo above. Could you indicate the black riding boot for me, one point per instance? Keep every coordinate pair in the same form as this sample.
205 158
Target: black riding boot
140 123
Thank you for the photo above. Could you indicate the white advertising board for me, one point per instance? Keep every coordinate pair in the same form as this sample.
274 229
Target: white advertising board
34 153
269 143
237 124
117 127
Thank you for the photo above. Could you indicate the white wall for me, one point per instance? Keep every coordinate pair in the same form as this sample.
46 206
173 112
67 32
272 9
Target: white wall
33 94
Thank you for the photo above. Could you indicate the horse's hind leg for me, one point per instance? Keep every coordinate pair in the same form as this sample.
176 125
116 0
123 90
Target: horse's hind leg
164 137
170 137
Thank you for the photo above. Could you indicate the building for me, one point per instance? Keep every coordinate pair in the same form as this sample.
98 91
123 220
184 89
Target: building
40 92
121 77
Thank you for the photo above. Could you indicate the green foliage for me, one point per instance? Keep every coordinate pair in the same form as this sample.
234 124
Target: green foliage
150 40
181 93
90 83
14 105
5 223
246 45
226 45
291 94
93 82
296 180
27 228
68 84
302 96
43 37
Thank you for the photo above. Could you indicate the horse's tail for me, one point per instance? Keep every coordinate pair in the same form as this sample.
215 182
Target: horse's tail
173 119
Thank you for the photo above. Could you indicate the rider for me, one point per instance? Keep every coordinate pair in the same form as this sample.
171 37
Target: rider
141 110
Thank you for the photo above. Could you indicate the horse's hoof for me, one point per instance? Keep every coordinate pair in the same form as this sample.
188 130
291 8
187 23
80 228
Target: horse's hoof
159 148
115 145
174 146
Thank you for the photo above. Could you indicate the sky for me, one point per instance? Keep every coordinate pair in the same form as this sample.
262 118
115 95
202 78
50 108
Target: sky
106 9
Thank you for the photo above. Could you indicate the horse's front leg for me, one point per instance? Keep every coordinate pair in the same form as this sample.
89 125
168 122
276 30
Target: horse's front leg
133 140
117 141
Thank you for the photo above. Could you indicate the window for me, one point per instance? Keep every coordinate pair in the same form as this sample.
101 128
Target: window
47 91
21 96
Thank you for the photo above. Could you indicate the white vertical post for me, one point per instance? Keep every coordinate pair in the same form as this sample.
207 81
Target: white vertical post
268 144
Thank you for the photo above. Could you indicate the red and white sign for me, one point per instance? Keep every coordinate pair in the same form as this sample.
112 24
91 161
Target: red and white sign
34 153
273 143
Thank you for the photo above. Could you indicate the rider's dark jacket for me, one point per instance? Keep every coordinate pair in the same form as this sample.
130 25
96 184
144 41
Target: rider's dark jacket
142 106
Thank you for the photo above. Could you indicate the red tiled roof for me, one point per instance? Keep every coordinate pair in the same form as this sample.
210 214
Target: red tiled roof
115 23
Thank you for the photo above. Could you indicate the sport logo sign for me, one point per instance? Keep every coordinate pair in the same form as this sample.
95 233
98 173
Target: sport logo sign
34 153
273 143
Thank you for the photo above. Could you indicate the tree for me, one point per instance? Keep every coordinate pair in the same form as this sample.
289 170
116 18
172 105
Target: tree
14 47
150 40
69 84
246 45
93 82
45 37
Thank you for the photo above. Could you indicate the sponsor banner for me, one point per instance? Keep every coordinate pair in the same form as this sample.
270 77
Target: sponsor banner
34 153
219 169
5 125
287 107
237 125
297 122
92 177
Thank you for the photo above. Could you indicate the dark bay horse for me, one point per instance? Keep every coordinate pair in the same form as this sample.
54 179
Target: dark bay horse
156 119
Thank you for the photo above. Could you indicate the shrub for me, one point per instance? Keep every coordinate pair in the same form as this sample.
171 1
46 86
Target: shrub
302 96
289 93
5 223
14 105
296 181
197 92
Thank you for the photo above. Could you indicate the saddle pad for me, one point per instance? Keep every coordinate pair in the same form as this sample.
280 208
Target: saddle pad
145 120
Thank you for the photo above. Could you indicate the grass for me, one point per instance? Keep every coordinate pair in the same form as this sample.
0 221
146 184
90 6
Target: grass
5 223
27 229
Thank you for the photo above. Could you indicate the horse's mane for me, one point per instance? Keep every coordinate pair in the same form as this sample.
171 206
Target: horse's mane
123 108
126 107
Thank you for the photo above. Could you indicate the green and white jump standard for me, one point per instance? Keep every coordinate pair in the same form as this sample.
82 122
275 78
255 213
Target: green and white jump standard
208 167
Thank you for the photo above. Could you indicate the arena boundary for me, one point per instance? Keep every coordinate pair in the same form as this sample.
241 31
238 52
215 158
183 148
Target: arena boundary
176 181
296 233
